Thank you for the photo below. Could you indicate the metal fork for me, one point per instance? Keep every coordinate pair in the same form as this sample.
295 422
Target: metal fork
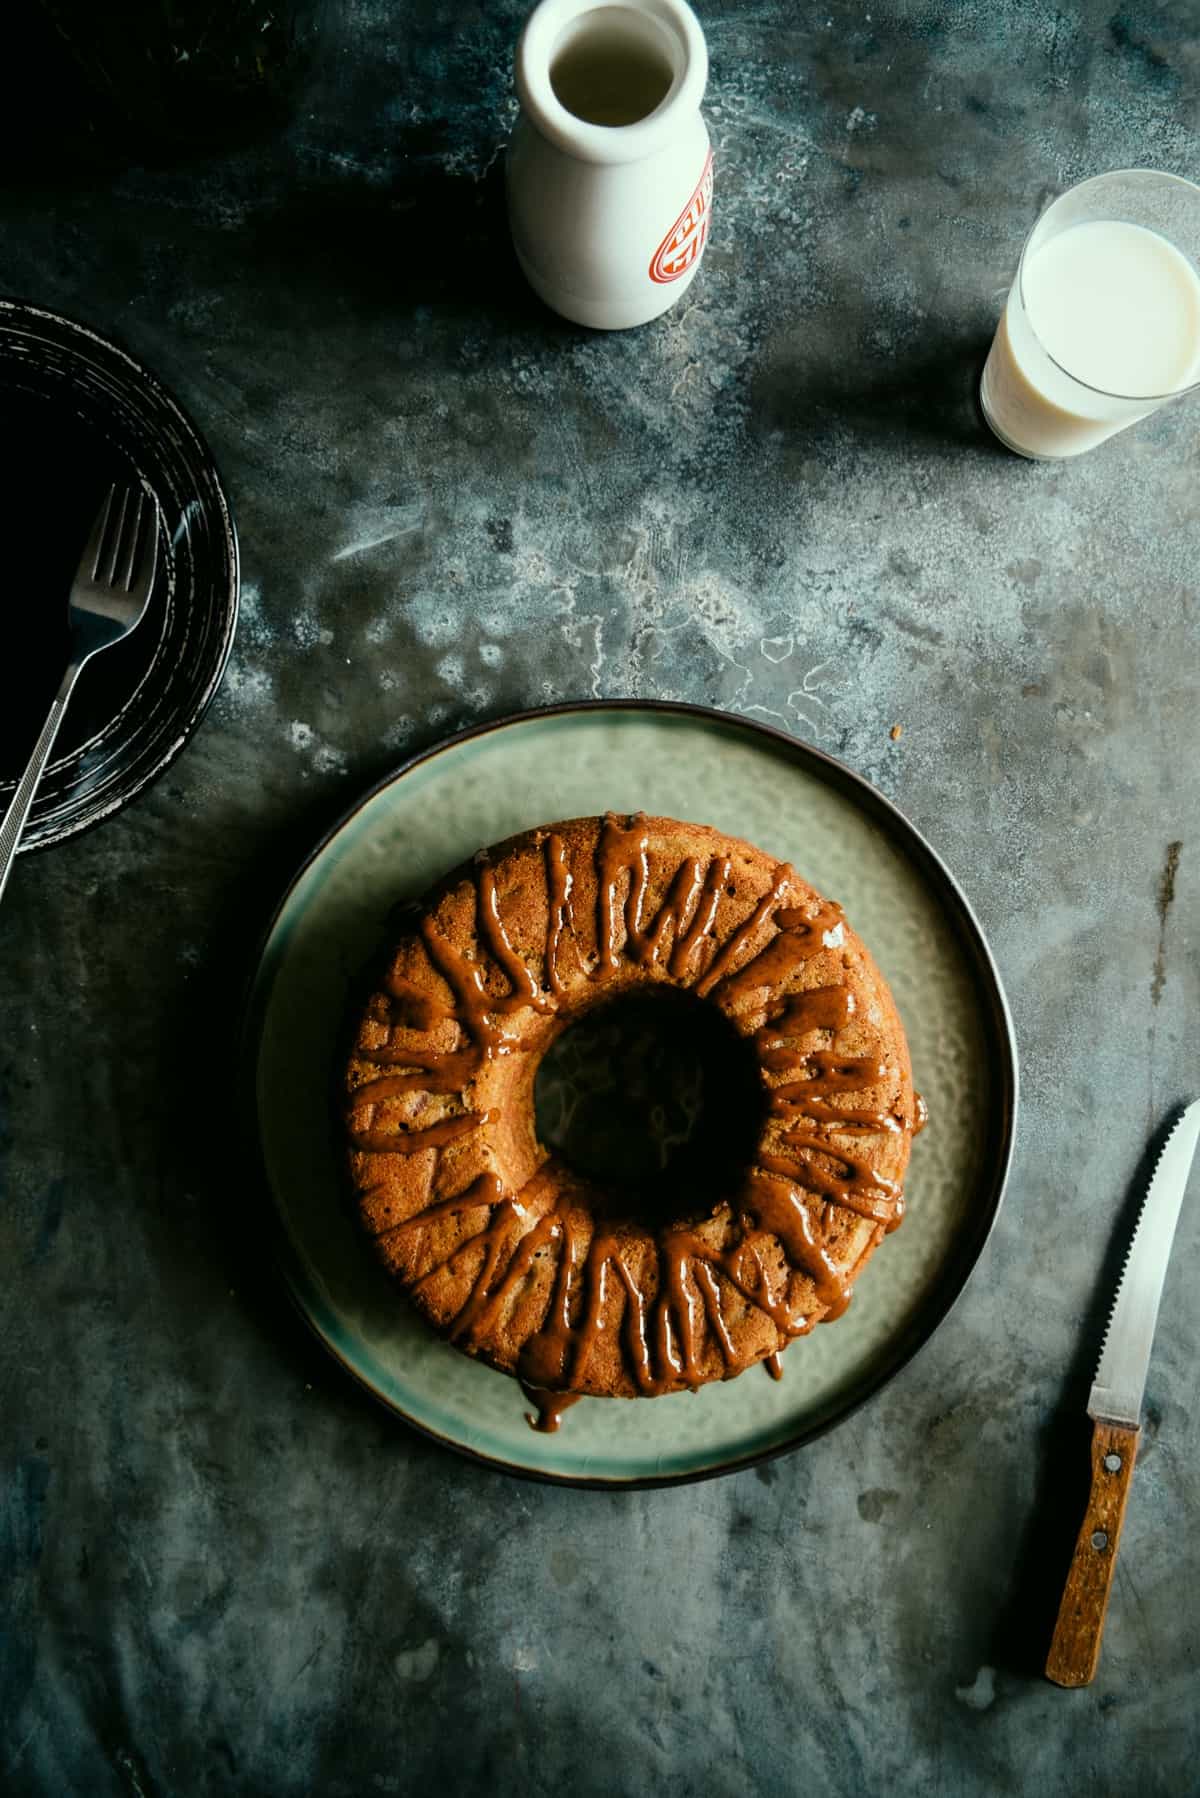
109 594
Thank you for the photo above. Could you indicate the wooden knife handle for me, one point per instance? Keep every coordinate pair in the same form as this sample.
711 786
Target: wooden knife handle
1075 1649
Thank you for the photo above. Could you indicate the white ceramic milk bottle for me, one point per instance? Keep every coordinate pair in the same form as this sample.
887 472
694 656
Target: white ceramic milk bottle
609 168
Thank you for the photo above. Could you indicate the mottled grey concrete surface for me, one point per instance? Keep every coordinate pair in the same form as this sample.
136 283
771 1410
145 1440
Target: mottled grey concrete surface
222 1569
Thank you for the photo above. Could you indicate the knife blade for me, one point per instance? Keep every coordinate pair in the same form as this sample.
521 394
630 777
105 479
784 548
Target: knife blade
1115 1407
1120 1381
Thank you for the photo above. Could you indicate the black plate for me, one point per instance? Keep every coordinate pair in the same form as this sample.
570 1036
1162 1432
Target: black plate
78 414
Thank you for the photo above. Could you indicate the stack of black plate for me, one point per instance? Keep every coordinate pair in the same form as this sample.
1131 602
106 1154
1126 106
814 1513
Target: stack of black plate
78 414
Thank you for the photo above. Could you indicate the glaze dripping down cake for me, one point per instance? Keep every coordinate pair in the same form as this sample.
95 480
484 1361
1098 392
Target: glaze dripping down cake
526 1262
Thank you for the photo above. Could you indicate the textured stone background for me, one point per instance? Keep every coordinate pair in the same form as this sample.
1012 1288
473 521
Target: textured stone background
221 1569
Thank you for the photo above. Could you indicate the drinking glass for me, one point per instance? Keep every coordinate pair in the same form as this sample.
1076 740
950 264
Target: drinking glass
1102 324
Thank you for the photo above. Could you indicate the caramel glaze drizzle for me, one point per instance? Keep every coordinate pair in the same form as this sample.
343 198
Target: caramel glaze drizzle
663 1338
549 1407
411 1142
687 911
409 1006
525 989
559 888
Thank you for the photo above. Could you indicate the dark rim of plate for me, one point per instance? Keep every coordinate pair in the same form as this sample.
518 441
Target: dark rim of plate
130 407
996 1150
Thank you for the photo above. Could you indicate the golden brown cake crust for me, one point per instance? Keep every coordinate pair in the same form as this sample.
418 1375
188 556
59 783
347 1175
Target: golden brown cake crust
518 1259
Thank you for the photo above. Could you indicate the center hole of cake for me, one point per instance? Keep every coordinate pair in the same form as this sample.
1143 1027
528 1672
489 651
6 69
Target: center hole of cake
655 1098
612 66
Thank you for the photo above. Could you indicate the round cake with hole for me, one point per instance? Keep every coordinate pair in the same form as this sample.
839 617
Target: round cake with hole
579 1282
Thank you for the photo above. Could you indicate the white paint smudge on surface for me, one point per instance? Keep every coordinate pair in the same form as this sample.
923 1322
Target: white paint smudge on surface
981 1693
418 1664
375 526
326 759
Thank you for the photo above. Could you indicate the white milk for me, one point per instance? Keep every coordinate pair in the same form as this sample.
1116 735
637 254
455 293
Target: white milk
1117 305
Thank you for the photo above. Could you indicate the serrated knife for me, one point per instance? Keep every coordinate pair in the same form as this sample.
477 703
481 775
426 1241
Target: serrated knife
1115 1407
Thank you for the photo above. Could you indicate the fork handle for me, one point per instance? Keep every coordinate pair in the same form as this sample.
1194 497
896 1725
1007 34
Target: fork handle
22 799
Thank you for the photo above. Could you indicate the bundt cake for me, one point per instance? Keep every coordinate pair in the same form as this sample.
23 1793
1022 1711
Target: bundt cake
573 1285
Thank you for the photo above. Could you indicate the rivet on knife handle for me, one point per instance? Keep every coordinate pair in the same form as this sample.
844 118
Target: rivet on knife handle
1075 1649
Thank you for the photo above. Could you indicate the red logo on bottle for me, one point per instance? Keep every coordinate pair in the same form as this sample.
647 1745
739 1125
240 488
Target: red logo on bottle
680 248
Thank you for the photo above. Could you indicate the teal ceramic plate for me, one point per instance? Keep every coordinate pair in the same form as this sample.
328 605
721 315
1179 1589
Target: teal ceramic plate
750 781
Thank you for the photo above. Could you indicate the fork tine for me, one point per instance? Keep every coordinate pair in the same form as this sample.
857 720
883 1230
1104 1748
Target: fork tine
113 558
95 543
145 579
133 538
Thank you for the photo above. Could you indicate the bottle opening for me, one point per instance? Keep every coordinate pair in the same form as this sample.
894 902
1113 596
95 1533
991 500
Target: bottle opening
613 66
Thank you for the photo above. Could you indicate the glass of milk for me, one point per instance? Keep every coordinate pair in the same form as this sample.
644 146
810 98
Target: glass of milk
1102 325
